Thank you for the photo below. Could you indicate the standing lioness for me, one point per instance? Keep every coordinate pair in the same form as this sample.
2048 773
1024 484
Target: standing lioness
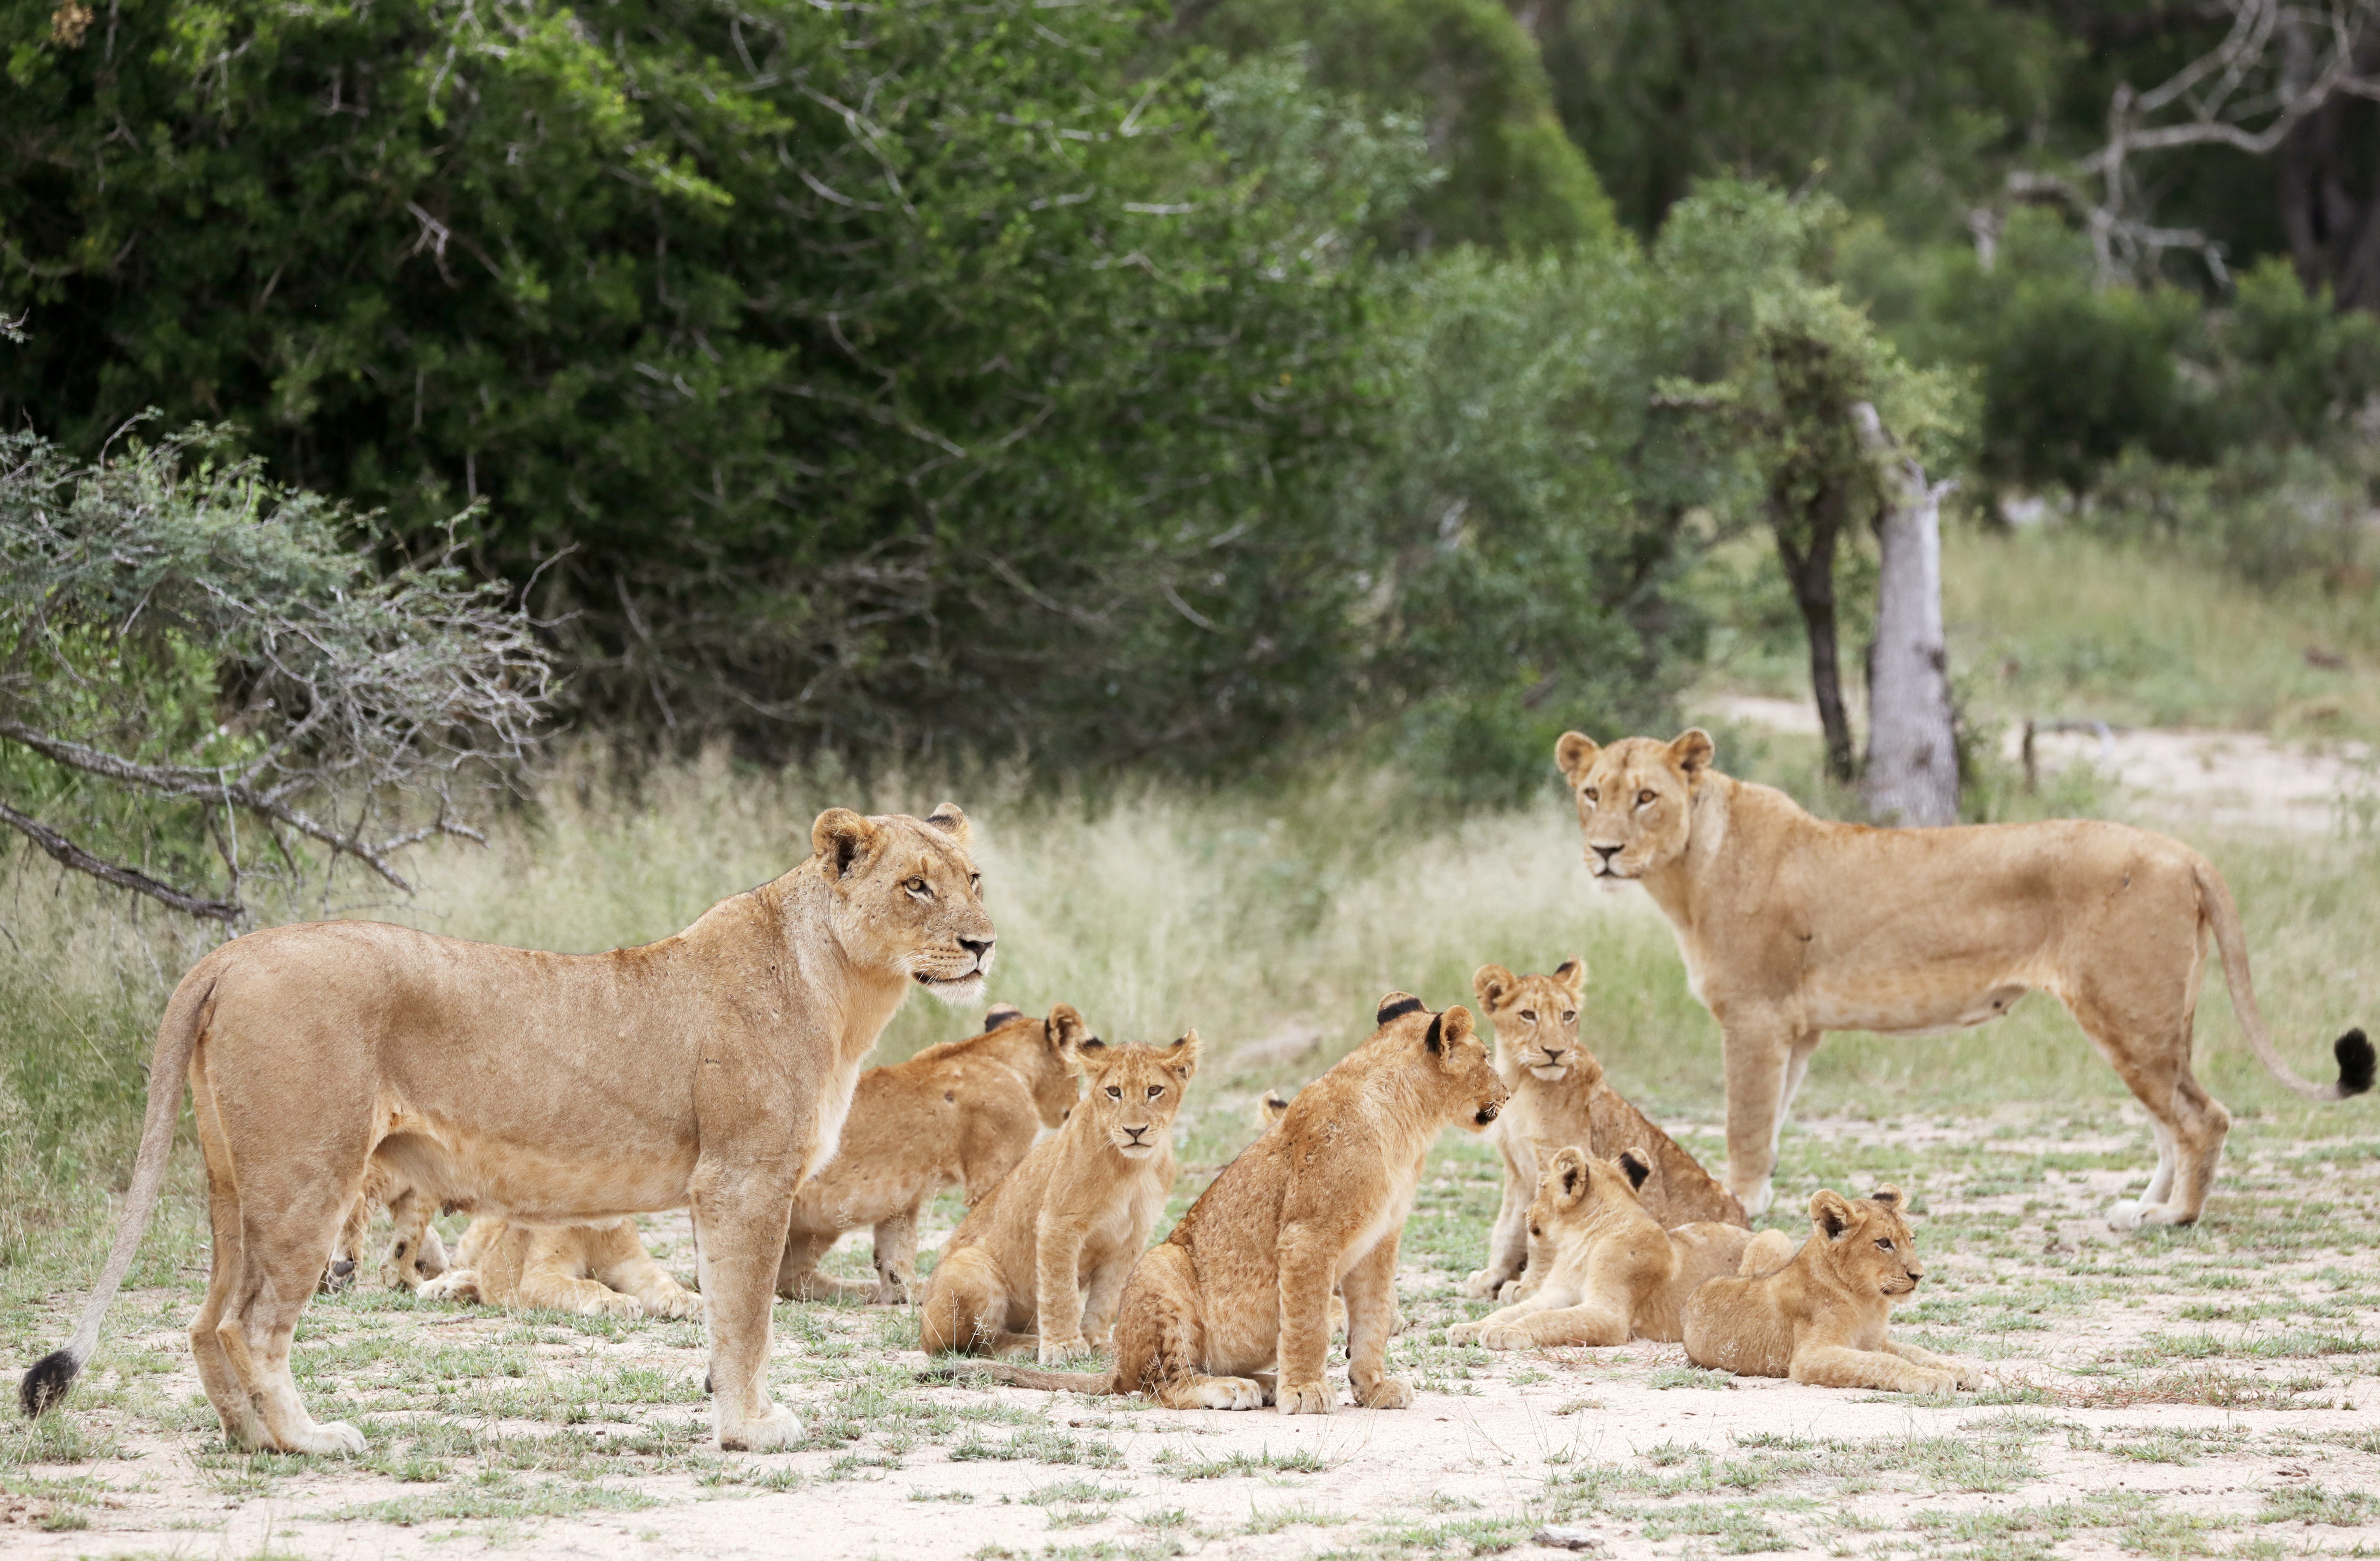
1792 926
711 1068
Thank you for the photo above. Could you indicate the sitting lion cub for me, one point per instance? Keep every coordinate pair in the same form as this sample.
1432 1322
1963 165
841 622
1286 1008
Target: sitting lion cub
1606 1271
1820 1319
1559 1097
1076 1212
589 1269
959 1113
1232 1310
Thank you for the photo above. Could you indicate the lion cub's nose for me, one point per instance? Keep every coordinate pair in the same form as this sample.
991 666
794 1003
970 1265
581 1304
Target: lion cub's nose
1553 1055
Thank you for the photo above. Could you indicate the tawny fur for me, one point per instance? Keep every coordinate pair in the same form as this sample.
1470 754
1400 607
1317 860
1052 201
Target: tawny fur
712 1069
1561 1098
415 1250
959 1113
1821 1318
1605 1270
1042 1259
593 1270
1232 1310
1791 926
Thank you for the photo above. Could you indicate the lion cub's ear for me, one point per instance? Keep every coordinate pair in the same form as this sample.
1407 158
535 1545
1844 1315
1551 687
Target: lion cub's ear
1000 1014
950 820
1831 1212
1449 1029
1490 982
1693 751
1635 1167
1573 753
1888 1195
1568 1172
1571 976
1089 1055
842 839
1065 1031
1182 1057
1396 1004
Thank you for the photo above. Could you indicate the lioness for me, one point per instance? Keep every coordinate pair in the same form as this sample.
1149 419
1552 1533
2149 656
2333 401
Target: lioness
1232 1310
1074 1215
589 1269
712 1067
959 1113
1604 1269
1561 1097
1820 1319
1791 926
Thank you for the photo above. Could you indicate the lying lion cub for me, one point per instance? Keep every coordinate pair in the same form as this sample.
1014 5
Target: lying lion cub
1559 1097
589 1269
962 1113
1076 1212
1820 1319
1606 1271
1232 1310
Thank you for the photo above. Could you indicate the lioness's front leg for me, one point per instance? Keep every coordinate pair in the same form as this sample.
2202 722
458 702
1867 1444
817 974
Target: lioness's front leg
1764 1056
1306 1257
1371 1290
743 1219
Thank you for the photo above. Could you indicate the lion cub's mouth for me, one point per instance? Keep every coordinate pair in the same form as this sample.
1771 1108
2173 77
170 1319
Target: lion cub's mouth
1486 1114
1549 1072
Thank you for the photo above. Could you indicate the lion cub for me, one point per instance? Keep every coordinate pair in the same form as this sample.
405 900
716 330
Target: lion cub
1606 1271
1232 1310
1821 1318
1559 1097
589 1269
959 1113
1077 1213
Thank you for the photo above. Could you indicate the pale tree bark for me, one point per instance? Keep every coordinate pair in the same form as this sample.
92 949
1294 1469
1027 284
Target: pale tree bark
1913 756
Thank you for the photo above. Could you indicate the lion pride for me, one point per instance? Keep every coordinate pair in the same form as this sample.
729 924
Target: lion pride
1791 926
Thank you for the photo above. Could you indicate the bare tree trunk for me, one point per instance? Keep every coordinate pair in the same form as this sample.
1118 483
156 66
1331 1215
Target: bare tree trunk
1810 573
1913 758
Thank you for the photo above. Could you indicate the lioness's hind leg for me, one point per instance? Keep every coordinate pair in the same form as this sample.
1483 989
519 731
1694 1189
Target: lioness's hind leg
217 1374
2189 1124
282 1255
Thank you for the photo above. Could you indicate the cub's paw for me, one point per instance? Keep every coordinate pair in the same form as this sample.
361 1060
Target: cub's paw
675 1301
1056 1350
1969 1377
1482 1283
1510 1293
1931 1383
336 1438
1388 1393
1464 1333
612 1303
1507 1337
454 1285
1303 1398
893 1290
778 1428
1230 1393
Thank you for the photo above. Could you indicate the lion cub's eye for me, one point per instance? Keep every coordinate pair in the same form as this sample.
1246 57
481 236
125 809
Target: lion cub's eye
1645 798
1530 1014
1570 1016
1114 1094
1538 1231
1883 1246
1592 795
1155 1091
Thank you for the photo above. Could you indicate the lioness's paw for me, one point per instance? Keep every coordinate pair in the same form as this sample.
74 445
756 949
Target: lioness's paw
1482 1283
1055 1350
1510 1336
1303 1398
2125 1215
334 1437
778 1428
1385 1393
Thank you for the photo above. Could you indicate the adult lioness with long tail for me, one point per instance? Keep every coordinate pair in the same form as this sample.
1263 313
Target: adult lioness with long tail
1791 926
711 1068
1232 1310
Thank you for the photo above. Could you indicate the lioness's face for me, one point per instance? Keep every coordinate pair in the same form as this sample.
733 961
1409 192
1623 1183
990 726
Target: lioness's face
1636 799
907 897
1449 1053
1535 1017
1136 1091
1867 1241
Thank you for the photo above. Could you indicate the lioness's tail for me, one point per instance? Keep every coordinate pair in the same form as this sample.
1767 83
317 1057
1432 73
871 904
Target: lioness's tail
178 1037
1023 1376
2352 1049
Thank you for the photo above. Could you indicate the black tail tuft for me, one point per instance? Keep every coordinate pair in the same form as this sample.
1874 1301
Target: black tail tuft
48 1381
2354 1052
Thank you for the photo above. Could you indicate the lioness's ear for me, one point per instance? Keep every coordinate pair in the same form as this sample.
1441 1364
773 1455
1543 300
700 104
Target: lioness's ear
842 838
1065 1031
1636 1166
1831 1212
1272 1108
950 820
1000 1014
1571 976
1488 983
1573 753
1888 1195
1569 1171
1182 1057
1395 1005
1691 751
